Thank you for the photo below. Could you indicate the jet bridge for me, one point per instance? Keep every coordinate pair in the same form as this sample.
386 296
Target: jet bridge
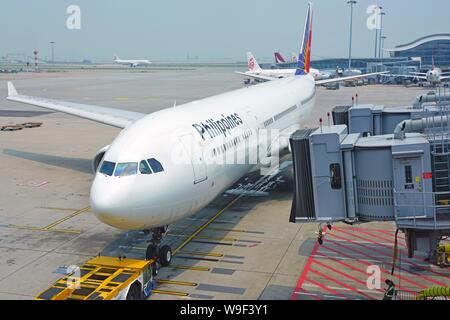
360 170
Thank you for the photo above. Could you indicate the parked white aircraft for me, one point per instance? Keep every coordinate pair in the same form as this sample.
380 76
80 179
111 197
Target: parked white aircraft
434 76
167 165
256 72
131 63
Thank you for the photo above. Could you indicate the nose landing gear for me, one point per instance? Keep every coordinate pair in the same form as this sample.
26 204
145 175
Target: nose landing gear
161 254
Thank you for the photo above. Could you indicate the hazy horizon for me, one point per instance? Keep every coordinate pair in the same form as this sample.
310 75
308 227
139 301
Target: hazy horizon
211 31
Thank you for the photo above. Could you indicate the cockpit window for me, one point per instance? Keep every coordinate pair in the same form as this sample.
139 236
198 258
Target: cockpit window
107 168
156 165
144 168
126 169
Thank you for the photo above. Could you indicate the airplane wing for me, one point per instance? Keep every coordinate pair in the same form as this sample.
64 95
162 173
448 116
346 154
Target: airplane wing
445 78
419 74
326 81
110 116
406 76
255 76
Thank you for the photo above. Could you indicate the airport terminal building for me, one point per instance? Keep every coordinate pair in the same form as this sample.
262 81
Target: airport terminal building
437 45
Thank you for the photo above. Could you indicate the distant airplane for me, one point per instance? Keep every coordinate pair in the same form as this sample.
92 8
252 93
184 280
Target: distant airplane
256 72
279 58
347 72
167 165
294 57
131 63
434 76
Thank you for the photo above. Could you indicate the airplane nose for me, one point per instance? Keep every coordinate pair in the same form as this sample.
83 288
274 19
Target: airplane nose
108 202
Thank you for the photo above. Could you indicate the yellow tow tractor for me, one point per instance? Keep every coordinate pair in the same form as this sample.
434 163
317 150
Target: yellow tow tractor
105 278
443 256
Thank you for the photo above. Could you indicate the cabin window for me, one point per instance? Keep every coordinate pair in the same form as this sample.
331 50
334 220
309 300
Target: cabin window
126 169
155 165
144 167
107 168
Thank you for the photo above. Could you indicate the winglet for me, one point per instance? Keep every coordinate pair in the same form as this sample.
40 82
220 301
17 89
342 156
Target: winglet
11 90
304 58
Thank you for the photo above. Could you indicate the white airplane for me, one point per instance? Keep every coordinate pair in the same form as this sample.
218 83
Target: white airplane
257 73
434 76
131 63
169 164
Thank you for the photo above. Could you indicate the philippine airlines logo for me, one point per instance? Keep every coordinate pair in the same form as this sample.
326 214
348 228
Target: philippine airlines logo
251 63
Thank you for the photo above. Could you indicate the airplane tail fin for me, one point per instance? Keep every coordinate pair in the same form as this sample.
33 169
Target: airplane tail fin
294 57
279 58
115 57
252 64
304 58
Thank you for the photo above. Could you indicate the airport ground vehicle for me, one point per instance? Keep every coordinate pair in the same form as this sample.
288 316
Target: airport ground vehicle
105 278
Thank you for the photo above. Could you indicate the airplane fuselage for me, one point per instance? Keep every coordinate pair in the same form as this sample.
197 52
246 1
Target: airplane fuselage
132 63
283 73
195 143
434 76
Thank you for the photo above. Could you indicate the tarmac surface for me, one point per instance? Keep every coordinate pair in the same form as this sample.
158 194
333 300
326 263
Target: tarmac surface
236 248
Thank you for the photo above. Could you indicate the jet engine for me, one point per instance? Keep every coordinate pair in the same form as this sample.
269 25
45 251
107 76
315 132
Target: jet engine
98 158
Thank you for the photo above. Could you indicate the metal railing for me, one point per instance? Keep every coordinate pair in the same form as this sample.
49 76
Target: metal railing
433 207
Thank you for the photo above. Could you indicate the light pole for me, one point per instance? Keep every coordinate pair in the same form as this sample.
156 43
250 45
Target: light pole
381 30
351 3
52 44
379 8
382 46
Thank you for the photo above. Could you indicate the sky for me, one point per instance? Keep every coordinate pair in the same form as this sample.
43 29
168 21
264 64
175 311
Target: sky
208 29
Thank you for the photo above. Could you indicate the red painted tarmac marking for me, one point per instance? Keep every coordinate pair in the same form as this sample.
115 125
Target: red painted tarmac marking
305 270
346 265
345 276
369 234
399 267
411 263
340 283
386 232
367 264
378 259
309 294
326 288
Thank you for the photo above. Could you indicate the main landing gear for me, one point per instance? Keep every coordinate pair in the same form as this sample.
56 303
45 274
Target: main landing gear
161 254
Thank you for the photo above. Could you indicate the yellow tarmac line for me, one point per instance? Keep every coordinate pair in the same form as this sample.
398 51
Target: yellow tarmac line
172 293
190 268
217 239
213 218
57 209
45 229
205 254
203 227
224 229
67 218
180 283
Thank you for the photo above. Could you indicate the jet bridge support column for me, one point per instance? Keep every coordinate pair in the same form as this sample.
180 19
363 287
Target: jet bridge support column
351 195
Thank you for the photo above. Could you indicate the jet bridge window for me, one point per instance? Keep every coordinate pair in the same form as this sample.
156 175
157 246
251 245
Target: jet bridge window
107 168
335 176
155 165
144 168
126 169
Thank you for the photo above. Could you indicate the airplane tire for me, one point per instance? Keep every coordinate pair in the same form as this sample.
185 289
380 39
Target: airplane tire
151 252
165 256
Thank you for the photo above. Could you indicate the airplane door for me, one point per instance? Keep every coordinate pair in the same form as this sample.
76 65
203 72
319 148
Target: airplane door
195 151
